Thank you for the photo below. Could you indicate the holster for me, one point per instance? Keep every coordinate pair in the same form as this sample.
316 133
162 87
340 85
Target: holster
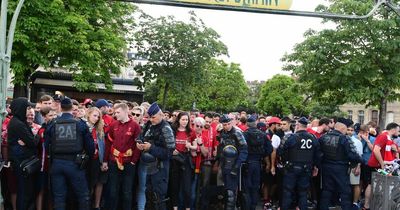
82 160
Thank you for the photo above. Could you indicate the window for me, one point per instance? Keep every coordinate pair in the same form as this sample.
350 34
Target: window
350 114
361 116
374 116
389 117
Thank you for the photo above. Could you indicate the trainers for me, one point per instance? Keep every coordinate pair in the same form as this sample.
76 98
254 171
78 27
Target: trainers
267 206
355 206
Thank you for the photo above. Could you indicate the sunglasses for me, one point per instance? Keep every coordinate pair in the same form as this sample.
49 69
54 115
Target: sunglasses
199 126
137 115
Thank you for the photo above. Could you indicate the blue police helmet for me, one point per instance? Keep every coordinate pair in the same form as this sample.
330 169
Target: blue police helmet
230 151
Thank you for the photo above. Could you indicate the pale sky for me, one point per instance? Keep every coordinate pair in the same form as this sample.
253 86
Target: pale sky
256 41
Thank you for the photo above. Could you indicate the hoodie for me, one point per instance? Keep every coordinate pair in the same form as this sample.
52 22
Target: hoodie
18 129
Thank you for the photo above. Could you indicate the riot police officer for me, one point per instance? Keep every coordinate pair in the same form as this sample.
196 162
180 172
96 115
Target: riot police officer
157 146
301 155
338 150
258 147
71 146
232 153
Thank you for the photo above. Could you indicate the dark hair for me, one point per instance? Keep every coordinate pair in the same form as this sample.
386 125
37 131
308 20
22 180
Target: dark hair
243 119
324 121
286 119
391 126
261 117
75 102
45 98
45 110
208 114
66 107
216 115
175 126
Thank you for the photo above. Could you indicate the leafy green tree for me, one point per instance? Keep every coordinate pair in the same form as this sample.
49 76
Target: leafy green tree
358 61
85 37
222 89
280 96
177 52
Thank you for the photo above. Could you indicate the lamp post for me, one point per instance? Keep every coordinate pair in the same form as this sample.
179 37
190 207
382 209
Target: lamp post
6 42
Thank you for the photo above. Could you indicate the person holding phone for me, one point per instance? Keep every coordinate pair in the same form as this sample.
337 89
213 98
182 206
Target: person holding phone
121 156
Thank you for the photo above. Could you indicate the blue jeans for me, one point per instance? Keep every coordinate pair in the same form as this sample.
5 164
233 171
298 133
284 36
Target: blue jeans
141 189
121 179
63 172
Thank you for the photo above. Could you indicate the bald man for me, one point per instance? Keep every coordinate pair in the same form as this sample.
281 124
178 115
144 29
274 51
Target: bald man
338 150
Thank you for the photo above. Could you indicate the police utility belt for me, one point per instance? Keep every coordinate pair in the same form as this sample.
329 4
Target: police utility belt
299 166
81 159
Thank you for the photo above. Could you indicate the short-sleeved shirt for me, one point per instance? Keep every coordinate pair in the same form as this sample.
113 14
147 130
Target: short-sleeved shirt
381 142
276 141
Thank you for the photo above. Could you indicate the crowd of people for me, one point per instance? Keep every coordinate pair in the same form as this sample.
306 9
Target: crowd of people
121 155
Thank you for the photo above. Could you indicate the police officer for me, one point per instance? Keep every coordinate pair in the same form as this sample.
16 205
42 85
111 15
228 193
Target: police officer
338 150
157 146
258 147
71 144
301 155
232 152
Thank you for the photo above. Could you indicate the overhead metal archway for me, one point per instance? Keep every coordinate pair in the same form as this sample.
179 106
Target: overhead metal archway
265 6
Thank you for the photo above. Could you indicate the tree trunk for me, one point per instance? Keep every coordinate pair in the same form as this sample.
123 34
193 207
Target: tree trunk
164 101
382 113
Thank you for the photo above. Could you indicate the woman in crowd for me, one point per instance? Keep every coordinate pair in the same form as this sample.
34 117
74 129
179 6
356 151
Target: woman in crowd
97 177
181 172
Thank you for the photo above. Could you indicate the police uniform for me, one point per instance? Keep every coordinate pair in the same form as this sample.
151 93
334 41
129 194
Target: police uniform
258 147
338 150
233 152
300 152
157 159
68 139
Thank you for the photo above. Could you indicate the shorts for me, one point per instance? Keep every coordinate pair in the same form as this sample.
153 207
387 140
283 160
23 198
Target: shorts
354 180
368 173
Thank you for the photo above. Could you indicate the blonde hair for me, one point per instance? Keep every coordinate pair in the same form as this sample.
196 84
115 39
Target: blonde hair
99 125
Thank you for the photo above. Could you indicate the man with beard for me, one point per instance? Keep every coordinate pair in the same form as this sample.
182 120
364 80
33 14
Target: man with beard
157 148
324 125
211 144
104 106
270 178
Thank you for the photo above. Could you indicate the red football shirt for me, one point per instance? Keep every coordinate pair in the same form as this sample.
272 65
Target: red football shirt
381 142
181 139
122 137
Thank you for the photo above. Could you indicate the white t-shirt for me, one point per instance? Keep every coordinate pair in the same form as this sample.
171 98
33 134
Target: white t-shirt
358 144
276 141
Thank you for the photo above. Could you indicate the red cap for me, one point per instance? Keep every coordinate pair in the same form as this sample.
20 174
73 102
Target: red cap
274 120
87 101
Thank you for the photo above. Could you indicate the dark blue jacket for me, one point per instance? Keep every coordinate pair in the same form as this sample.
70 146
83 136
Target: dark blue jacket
348 148
88 142
290 141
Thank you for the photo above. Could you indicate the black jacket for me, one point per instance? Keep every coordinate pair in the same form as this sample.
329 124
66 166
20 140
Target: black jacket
18 129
